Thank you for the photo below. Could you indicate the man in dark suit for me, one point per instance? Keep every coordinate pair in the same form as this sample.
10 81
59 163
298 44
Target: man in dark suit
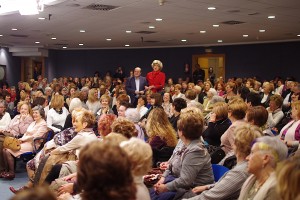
135 86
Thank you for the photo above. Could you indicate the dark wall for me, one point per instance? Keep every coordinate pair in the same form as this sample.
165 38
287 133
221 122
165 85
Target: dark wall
13 66
262 60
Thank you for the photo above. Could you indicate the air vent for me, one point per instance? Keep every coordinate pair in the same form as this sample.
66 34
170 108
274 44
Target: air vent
151 41
234 11
256 13
145 32
100 7
232 22
19 36
145 22
60 44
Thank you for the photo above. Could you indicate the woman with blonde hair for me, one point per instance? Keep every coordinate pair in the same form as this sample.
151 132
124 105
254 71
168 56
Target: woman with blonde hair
161 134
156 78
93 103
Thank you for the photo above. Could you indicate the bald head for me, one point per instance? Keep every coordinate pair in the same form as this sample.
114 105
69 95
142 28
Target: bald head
137 72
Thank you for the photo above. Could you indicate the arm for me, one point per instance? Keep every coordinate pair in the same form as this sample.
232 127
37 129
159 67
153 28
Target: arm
72 145
5 122
274 120
39 131
50 121
23 125
160 81
128 87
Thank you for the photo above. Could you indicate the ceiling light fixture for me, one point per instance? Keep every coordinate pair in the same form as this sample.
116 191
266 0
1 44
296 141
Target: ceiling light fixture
211 8
128 31
65 47
82 31
127 45
1 35
108 39
297 35
262 31
183 40
37 42
80 44
220 40
271 17
158 19
151 27
14 29
202 31
245 35
216 25
41 18
54 38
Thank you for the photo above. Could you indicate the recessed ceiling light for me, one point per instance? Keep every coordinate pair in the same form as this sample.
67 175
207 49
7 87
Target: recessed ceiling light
183 40
80 44
65 47
271 17
41 18
1 35
211 8
82 31
14 29
54 38
245 35
216 25
262 31
297 35
128 31
127 45
37 42
108 39
158 19
151 27
220 40
202 31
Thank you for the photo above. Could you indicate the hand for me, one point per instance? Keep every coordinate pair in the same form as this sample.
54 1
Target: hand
66 188
142 92
213 117
199 189
164 165
71 177
24 115
137 92
161 181
160 188
64 196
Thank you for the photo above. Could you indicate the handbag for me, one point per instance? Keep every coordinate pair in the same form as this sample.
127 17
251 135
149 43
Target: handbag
216 153
12 143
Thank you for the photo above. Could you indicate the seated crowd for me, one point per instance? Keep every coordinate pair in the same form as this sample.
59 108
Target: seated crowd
109 138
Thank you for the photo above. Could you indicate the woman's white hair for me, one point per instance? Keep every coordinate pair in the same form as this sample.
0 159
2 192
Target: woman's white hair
157 62
75 103
132 114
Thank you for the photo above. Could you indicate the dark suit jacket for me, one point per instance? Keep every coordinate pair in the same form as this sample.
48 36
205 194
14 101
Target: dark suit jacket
130 86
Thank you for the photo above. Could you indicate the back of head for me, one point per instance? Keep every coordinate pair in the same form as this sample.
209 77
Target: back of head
191 124
75 103
132 114
253 98
36 193
257 115
107 176
179 103
125 127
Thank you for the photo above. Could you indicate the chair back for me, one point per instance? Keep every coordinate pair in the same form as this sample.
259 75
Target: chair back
219 171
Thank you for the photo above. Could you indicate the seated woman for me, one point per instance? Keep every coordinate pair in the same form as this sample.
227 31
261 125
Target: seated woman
177 92
266 152
290 133
104 124
104 107
229 186
218 124
167 104
177 105
134 116
192 167
124 127
161 135
141 108
275 111
258 116
156 101
57 115
93 103
36 129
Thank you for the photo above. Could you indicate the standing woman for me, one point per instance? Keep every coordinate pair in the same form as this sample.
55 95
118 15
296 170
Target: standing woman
36 129
265 154
57 115
156 78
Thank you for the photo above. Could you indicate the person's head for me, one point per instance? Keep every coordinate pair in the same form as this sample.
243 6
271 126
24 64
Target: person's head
85 120
104 100
230 87
191 86
253 99
250 83
107 176
24 108
142 100
295 96
137 72
220 86
104 123
156 99
268 87
122 98
266 152
75 103
158 125
221 110
38 113
125 127
244 135
122 109
3 106
39 101
257 115
243 92
177 88
276 102
167 98
157 65
207 86
93 95
190 94
296 110
190 126
178 104
48 91
132 114
140 155
36 193
57 102
237 109
288 178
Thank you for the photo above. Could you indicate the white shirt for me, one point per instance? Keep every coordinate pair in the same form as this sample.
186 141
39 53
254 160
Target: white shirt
137 84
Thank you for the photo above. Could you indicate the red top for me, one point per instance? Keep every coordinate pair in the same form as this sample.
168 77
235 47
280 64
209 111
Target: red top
156 78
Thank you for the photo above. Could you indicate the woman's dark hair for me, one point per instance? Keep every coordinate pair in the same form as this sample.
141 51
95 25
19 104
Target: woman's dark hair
254 99
144 99
158 99
243 92
38 101
179 103
107 176
257 114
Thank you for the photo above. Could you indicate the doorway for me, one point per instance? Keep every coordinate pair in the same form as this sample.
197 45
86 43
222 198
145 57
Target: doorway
31 67
214 61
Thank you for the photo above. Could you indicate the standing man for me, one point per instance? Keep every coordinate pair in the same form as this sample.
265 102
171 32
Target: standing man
135 86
